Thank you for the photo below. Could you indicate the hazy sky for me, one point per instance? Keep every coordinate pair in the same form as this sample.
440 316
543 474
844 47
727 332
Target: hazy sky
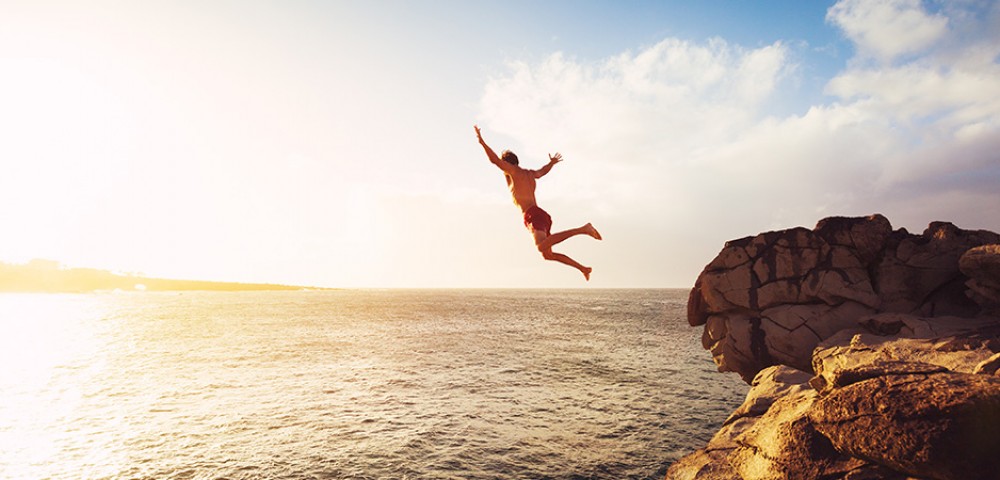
331 143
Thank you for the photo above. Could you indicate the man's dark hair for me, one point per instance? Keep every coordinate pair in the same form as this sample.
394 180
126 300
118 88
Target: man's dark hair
509 157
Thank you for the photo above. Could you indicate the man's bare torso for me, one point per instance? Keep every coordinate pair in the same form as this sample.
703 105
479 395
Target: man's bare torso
522 187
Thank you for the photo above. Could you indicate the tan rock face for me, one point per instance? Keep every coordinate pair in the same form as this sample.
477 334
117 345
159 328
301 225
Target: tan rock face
944 343
771 436
920 275
922 402
870 358
770 299
933 424
982 266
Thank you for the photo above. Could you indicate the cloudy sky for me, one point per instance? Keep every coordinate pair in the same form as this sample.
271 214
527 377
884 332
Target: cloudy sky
331 143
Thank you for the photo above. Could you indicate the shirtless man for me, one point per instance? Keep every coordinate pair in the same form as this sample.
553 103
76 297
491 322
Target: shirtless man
522 187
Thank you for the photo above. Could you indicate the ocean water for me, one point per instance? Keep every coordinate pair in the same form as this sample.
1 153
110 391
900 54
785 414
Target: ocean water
441 384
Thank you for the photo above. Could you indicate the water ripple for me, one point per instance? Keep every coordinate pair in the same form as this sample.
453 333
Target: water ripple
582 384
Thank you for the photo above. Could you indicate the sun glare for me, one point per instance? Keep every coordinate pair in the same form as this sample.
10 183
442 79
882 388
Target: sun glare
47 340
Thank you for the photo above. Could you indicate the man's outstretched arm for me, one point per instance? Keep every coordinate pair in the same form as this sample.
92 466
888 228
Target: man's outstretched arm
553 159
489 151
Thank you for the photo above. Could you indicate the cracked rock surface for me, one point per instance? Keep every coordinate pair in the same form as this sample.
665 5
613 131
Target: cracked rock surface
770 299
982 266
935 424
872 353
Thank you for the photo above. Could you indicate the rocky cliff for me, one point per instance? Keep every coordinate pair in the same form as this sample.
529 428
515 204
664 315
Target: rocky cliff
872 353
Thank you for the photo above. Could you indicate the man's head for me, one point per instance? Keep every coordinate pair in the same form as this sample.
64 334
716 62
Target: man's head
509 157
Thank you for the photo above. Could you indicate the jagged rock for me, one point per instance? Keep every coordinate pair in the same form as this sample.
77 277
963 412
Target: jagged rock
990 366
770 299
771 436
918 345
836 379
938 424
782 432
906 361
919 274
982 266
865 236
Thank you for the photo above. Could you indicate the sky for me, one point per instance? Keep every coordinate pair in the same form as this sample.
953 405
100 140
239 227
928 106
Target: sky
331 143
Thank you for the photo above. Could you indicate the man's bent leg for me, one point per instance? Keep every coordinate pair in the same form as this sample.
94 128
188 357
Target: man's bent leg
548 254
559 237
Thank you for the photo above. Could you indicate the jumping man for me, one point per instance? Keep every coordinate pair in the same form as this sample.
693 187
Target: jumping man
522 187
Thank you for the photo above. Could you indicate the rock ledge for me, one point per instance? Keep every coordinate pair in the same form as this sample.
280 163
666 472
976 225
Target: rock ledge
872 353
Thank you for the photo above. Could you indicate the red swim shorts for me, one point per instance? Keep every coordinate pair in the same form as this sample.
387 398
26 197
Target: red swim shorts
538 220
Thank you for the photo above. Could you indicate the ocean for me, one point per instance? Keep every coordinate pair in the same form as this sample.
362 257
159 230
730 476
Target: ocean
355 384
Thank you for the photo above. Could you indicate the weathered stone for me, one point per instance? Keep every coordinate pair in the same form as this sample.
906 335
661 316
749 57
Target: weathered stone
712 462
730 258
829 381
783 444
940 425
985 296
778 292
883 324
919 274
697 309
989 366
982 266
789 347
909 326
769 385
743 349
854 350
791 317
855 266
835 286
715 330
866 236
770 437
906 359
783 261
704 464
982 263
838 318
726 290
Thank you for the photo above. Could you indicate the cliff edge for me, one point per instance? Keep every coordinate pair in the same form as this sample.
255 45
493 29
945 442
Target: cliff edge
872 353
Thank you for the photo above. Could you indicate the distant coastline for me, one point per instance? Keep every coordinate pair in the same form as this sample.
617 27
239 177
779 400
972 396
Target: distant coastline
48 276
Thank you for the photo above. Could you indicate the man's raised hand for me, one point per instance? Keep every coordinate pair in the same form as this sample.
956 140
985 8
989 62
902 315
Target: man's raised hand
555 158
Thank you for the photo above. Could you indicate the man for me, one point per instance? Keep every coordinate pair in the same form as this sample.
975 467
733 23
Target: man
522 187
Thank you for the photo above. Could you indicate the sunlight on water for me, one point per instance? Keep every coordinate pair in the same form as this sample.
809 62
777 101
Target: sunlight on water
51 352
357 384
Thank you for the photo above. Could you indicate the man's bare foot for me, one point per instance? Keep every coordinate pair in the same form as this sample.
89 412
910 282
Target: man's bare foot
592 231
586 272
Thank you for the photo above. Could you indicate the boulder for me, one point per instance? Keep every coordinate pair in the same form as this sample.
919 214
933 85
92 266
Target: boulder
982 266
770 299
916 420
872 353
920 275
771 436
925 344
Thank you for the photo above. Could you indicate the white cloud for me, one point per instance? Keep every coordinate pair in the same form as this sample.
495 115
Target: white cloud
671 95
662 108
886 29
916 91
678 134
